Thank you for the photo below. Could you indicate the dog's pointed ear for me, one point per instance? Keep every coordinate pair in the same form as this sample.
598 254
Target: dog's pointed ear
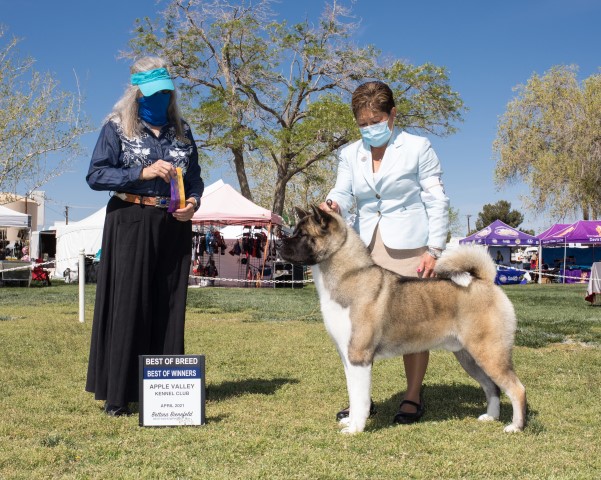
321 216
300 213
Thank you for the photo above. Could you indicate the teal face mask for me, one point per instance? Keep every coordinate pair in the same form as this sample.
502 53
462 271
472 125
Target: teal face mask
376 135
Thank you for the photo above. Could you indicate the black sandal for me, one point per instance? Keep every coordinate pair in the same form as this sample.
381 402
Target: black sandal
345 412
406 418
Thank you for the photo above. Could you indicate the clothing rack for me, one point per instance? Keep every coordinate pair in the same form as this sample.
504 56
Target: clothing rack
249 256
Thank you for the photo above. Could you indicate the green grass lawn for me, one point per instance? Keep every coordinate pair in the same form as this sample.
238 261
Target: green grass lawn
275 383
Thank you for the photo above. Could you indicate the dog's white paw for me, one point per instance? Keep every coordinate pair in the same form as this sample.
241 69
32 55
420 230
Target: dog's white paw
511 428
344 421
350 430
485 417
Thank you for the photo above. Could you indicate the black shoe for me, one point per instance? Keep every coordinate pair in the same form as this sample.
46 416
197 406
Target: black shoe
344 413
405 418
116 410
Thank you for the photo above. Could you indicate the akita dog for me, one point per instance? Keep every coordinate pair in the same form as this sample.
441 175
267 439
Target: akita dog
373 313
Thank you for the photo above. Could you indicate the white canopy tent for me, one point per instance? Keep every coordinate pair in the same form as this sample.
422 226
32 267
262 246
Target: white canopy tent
10 218
14 221
70 239
221 205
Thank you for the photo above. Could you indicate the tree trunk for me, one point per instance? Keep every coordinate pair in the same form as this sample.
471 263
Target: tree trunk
279 195
241 173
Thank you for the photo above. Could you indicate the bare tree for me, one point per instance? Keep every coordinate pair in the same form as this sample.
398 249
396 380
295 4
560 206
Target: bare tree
39 126
277 95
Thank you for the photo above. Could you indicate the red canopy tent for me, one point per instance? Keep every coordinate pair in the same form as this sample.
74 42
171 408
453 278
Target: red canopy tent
220 206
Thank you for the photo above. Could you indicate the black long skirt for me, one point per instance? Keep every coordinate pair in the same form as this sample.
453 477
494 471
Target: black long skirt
141 295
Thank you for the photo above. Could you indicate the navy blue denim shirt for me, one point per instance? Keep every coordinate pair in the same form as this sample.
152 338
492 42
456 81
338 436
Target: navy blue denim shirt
118 160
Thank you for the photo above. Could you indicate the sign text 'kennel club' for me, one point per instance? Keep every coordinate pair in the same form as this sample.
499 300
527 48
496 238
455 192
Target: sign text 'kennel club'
172 390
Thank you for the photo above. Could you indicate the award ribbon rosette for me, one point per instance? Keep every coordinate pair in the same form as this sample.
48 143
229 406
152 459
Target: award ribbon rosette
178 194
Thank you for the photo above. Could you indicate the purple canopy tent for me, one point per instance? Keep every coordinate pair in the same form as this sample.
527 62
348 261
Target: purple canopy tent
587 232
583 231
500 234
552 230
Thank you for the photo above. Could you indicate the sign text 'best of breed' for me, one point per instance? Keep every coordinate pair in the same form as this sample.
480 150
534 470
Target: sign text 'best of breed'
172 390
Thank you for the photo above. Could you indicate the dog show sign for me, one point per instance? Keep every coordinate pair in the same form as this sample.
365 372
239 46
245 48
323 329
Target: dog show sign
172 390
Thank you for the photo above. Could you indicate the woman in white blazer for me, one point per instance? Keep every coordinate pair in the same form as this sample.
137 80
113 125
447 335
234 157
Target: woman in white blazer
392 178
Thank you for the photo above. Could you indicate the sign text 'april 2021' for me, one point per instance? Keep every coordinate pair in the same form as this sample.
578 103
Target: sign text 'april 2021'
172 390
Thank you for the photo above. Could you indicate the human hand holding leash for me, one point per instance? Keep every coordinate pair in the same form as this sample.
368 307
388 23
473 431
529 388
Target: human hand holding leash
161 169
330 206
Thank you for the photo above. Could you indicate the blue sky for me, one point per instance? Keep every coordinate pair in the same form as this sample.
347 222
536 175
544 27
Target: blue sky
488 47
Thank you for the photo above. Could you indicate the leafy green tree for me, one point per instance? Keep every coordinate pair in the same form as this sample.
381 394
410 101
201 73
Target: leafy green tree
274 97
37 121
550 138
591 148
309 187
498 211
454 223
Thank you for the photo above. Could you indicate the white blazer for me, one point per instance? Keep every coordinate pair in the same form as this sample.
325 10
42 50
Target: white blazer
396 197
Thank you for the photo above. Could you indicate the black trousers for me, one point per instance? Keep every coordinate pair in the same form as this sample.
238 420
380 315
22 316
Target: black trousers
140 296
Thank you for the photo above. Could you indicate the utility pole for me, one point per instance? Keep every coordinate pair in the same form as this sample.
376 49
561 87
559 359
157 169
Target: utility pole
468 224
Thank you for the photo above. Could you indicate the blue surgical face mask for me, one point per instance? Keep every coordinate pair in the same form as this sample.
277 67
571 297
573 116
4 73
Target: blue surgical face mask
153 109
376 135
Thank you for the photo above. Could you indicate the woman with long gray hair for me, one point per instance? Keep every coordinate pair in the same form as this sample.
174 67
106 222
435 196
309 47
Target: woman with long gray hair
147 238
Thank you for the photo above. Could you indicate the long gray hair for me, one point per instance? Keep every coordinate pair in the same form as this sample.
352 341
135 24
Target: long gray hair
125 111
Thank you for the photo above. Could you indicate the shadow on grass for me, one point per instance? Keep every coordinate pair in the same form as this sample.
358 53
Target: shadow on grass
449 402
134 408
261 386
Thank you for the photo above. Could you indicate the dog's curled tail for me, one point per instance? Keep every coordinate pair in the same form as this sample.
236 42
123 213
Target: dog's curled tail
464 263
